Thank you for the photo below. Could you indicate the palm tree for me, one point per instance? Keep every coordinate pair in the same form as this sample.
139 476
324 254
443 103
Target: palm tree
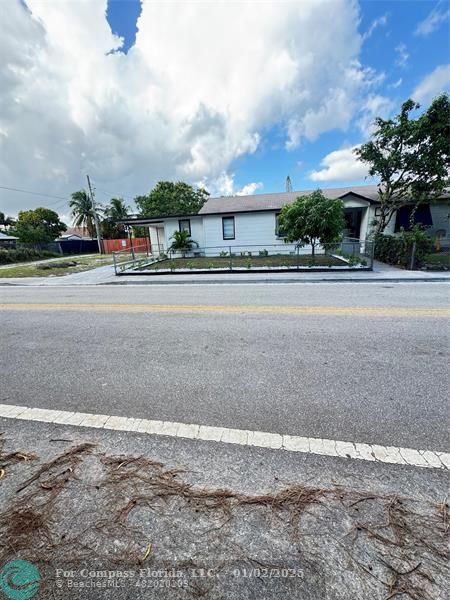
116 211
182 242
82 213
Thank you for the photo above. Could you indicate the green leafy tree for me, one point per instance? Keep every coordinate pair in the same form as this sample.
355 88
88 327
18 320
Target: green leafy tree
312 219
181 241
82 213
410 157
169 198
115 211
38 226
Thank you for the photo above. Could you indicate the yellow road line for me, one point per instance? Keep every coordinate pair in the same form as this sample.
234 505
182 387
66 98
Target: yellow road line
248 309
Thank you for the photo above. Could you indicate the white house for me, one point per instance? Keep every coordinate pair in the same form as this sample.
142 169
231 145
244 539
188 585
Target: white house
243 221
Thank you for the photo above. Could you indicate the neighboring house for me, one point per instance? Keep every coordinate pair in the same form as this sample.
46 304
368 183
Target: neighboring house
253 220
75 233
8 241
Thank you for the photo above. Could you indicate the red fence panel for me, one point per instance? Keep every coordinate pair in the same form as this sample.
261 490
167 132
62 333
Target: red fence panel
110 246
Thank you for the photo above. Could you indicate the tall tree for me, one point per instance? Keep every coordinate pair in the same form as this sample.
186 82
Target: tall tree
38 226
169 198
5 222
82 212
410 157
115 211
312 219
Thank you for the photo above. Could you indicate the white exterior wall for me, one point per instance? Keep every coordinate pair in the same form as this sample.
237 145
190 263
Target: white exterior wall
440 214
172 225
251 229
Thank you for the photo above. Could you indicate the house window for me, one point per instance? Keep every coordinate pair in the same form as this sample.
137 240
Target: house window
185 225
422 217
278 231
228 228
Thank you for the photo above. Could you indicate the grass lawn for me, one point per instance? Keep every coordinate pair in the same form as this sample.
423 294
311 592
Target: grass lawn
50 268
245 262
438 259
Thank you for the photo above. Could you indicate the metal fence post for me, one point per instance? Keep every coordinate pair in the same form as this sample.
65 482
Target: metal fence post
413 256
231 259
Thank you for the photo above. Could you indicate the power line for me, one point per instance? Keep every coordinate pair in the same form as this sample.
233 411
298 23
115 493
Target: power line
33 193
114 195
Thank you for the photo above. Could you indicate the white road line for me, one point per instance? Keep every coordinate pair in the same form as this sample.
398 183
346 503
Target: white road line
263 439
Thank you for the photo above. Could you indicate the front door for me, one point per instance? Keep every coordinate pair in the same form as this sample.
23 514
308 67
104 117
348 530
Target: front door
161 238
353 218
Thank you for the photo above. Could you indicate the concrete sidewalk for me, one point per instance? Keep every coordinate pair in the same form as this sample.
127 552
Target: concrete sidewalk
105 276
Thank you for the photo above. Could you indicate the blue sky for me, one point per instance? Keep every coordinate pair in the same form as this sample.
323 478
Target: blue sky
234 96
393 46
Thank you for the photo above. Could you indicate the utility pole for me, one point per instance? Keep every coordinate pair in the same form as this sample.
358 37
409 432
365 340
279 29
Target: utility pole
95 215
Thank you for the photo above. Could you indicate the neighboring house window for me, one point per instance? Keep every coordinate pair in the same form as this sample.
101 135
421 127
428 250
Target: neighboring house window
185 225
278 232
228 228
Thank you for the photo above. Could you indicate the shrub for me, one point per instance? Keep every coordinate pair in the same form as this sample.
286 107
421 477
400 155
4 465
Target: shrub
223 254
64 264
397 250
23 255
264 253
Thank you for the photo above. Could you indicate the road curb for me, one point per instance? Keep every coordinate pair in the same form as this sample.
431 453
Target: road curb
284 281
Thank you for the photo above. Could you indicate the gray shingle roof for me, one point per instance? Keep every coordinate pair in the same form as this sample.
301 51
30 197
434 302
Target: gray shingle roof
226 204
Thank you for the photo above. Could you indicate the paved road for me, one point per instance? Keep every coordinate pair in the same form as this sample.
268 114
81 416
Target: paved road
365 363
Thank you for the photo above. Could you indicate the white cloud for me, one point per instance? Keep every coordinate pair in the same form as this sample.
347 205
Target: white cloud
250 189
433 21
433 84
378 22
396 84
402 55
340 165
375 106
197 90
224 185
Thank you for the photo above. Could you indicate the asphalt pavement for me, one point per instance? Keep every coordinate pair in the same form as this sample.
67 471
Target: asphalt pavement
210 356
111 513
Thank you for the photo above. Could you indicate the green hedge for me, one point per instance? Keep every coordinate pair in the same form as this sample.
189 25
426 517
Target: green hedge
23 255
397 250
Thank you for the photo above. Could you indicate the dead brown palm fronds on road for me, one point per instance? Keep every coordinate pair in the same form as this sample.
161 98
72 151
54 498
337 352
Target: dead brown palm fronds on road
82 505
